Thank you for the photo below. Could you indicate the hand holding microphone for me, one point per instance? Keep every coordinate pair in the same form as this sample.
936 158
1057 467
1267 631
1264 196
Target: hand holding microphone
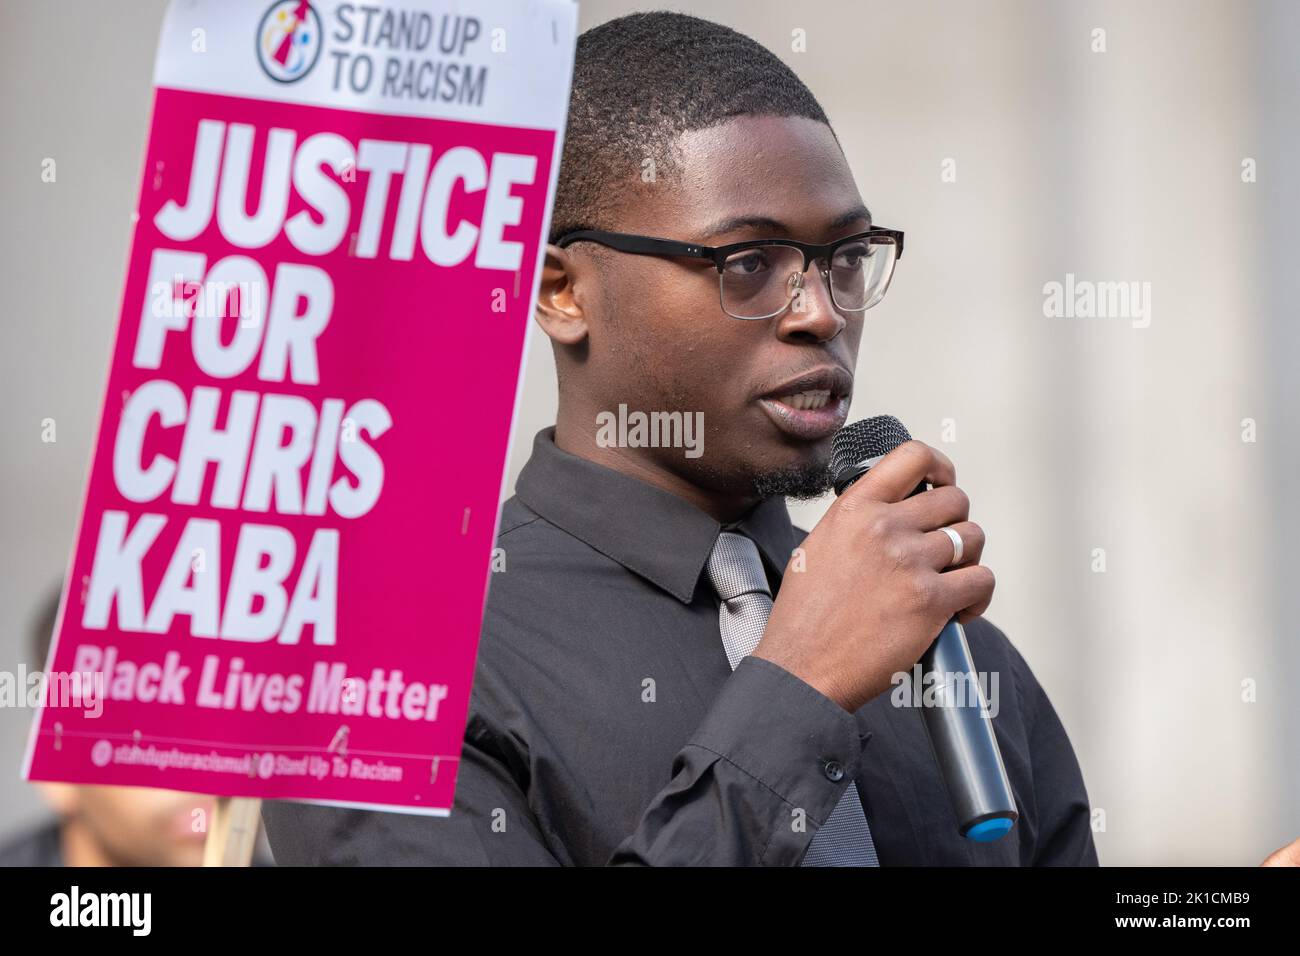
877 588
885 585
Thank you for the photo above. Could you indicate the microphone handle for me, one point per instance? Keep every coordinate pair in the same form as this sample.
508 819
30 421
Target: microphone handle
961 736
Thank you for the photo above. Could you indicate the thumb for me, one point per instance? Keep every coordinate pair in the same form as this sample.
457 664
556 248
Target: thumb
1289 855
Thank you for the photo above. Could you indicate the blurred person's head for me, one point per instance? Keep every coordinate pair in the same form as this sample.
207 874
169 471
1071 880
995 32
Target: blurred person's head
683 129
129 826
121 826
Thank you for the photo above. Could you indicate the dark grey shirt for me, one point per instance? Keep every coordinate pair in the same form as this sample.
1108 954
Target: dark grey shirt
606 726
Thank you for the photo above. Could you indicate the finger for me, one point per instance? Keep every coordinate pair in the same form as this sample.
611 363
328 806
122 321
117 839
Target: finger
896 475
934 508
940 552
967 591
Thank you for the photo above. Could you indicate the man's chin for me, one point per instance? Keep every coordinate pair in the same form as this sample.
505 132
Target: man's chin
801 480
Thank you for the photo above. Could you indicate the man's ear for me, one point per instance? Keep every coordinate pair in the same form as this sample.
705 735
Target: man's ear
559 311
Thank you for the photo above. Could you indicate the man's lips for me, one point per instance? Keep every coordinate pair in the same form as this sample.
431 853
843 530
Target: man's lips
812 405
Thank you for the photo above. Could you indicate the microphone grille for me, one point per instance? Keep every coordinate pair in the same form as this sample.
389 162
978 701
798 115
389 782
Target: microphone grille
869 438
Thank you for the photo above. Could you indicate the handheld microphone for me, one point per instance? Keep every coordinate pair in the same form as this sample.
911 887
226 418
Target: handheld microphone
961 733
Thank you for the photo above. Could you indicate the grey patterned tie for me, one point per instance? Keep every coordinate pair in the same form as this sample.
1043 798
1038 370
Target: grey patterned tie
737 574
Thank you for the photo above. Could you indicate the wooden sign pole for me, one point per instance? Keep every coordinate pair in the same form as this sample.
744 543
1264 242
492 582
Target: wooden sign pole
233 833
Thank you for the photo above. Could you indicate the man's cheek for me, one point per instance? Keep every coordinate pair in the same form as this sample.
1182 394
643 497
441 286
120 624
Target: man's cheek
853 338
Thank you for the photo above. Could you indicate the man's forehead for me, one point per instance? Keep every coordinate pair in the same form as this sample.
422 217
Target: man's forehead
768 175
772 224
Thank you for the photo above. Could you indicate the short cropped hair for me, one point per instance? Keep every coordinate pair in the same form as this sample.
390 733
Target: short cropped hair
641 81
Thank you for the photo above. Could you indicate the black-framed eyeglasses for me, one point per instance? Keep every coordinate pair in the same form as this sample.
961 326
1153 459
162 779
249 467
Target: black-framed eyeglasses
760 278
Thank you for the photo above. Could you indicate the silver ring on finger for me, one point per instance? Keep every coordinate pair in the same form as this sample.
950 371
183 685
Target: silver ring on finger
958 546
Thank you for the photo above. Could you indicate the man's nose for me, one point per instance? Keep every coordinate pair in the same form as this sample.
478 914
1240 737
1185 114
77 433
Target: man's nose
812 316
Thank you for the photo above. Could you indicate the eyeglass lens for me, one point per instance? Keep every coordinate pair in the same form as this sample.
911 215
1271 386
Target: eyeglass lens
760 282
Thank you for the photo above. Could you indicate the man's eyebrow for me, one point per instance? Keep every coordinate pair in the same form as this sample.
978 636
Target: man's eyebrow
851 216
859 212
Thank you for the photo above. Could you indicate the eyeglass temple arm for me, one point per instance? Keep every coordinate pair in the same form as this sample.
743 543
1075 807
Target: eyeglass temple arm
646 245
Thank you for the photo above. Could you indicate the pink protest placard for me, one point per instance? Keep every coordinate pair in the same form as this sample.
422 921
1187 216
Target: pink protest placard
278 580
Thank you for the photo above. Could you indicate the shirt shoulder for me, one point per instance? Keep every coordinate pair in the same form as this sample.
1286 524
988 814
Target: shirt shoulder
1041 760
991 649
542 571
515 515
993 653
557 609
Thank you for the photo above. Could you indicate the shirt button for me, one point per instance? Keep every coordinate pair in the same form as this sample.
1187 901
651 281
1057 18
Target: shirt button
834 770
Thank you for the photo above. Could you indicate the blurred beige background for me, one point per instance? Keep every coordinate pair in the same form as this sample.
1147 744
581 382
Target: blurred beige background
1070 434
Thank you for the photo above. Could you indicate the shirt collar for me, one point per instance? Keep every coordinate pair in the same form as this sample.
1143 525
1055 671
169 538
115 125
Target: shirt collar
649 531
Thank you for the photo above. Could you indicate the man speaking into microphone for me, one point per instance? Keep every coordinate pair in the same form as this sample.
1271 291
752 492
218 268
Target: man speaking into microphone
670 673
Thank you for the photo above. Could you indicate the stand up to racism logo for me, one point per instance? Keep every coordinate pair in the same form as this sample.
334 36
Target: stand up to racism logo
289 40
